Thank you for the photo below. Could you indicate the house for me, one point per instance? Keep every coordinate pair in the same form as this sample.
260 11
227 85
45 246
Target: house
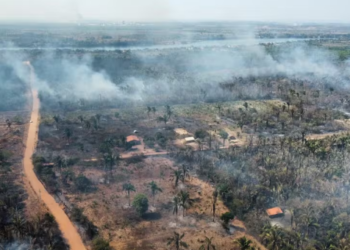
133 140
189 139
275 212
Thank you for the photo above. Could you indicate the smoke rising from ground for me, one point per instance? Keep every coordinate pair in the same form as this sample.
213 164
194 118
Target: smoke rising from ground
176 76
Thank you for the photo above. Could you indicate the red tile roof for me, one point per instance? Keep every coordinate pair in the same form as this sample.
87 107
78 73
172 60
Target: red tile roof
274 211
131 138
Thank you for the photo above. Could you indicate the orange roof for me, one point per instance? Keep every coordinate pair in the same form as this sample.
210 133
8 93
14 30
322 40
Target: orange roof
274 211
131 138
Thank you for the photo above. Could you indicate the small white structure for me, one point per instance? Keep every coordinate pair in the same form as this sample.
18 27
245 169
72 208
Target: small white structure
189 139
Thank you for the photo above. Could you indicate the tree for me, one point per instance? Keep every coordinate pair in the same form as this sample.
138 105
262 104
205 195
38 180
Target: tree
215 197
164 118
154 189
271 237
82 183
169 112
100 244
154 110
81 118
60 162
226 217
128 187
57 119
246 105
185 201
176 241
177 176
140 204
68 133
88 125
149 110
176 202
208 245
219 107
184 172
244 243
224 136
8 123
98 117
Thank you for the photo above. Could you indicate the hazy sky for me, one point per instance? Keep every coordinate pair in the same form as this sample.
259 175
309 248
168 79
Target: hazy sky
172 10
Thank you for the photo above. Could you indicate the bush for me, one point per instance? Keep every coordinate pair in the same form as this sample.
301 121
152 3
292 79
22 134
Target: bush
140 204
100 244
201 134
82 183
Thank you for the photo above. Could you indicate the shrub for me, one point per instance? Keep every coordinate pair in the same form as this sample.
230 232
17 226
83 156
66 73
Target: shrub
201 134
140 204
82 183
100 244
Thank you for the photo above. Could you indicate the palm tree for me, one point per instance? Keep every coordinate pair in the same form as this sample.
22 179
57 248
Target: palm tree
88 124
177 175
128 187
154 188
185 201
109 161
244 243
215 197
169 112
18 224
68 133
208 245
219 107
57 120
60 162
176 241
176 203
185 172
149 109
81 118
154 110
271 237
98 117
164 118
8 123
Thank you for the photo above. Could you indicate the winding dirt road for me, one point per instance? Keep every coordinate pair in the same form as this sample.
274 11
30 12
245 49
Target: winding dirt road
67 228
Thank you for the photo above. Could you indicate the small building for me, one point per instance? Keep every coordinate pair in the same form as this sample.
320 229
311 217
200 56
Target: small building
189 139
275 212
133 140
48 164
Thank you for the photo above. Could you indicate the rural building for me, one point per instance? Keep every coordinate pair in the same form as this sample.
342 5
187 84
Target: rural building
189 139
274 212
133 140
50 164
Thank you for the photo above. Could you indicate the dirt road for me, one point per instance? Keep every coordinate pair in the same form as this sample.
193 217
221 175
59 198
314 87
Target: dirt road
67 228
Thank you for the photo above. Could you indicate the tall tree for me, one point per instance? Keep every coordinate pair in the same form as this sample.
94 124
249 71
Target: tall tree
176 203
176 241
177 176
215 197
208 244
185 201
128 187
154 189
164 118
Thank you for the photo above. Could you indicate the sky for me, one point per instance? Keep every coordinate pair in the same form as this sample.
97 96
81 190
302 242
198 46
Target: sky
175 10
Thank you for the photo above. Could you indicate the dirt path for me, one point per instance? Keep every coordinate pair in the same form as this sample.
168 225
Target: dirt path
67 228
